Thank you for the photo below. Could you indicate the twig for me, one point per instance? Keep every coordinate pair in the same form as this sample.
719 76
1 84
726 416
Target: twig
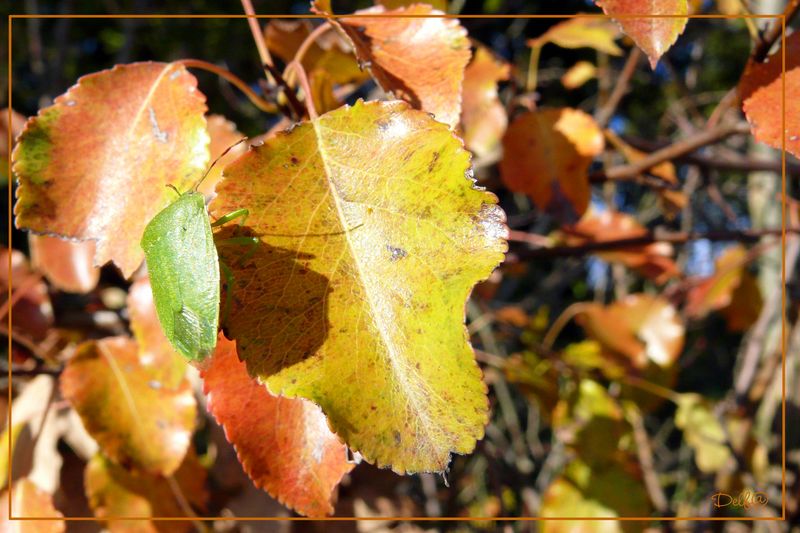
296 107
555 328
258 36
645 455
769 38
679 148
678 237
229 76
300 72
604 114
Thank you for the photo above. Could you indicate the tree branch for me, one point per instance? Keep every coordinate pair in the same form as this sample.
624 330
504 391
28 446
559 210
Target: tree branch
679 237
677 149
604 114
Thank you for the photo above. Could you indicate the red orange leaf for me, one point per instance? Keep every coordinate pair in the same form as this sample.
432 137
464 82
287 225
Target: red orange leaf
654 35
547 154
650 260
115 491
137 420
761 88
483 117
420 60
28 500
284 444
94 165
67 265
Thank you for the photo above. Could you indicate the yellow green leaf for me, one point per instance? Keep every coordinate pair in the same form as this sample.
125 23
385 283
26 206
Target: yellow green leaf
138 420
371 238
703 432
582 32
115 491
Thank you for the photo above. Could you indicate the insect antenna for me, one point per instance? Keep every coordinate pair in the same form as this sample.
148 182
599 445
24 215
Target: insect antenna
220 156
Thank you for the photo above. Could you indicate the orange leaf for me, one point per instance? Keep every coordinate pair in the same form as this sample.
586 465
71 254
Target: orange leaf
547 154
640 328
420 60
114 491
67 265
155 351
28 500
761 89
330 52
650 260
137 420
223 134
483 117
730 289
103 153
284 444
32 311
654 35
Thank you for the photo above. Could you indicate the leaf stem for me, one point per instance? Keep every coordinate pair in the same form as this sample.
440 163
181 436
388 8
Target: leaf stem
568 314
229 76
533 68
300 72
308 41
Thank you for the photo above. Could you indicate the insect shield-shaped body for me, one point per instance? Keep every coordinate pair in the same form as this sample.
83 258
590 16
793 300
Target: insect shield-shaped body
184 275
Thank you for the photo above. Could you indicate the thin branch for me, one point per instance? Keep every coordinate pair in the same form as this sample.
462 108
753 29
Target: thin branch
770 37
258 36
234 80
604 114
645 454
296 107
300 72
677 149
678 237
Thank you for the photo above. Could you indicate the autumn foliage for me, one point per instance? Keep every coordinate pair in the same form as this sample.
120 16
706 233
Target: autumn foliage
451 264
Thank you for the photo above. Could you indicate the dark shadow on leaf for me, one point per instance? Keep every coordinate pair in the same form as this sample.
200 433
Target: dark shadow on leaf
277 306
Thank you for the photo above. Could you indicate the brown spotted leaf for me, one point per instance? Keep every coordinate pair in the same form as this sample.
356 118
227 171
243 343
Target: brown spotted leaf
547 153
761 89
654 35
371 238
68 265
115 491
95 164
483 117
640 328
28 500
418 59
137 420
284 444
650 260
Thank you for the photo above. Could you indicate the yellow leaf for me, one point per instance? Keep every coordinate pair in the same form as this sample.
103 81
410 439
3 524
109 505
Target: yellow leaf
578 74
370 240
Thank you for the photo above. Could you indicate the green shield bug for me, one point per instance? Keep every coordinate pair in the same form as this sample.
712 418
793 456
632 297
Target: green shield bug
184 271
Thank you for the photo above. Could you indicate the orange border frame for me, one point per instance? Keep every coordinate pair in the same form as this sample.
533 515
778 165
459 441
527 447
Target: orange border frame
781 17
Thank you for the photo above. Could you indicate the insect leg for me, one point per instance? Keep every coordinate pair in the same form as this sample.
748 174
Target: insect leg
224 219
